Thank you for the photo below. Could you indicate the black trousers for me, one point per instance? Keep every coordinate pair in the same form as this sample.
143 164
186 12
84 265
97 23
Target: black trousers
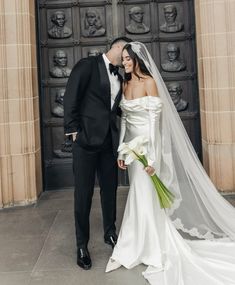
86 164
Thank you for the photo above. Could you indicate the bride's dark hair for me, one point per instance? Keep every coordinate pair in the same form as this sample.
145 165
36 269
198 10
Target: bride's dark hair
136 59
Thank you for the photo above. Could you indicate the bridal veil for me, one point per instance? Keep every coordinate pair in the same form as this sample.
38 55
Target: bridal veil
198 209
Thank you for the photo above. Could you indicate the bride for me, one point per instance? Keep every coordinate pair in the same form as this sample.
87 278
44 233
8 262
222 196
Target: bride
193 242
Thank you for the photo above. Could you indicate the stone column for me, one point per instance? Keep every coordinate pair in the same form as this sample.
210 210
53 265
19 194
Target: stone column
20 151
215 28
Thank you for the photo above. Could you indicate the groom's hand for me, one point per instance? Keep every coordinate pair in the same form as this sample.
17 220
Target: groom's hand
121 164
74 135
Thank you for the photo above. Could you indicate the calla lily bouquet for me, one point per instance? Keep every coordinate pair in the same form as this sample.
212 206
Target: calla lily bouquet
136 150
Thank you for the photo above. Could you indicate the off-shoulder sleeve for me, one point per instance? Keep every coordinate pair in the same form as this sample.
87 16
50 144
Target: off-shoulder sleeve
154 108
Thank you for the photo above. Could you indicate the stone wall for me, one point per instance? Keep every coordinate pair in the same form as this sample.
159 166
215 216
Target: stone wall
216 68
20 150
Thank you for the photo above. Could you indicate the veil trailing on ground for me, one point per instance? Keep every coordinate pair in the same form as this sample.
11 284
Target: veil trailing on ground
199 209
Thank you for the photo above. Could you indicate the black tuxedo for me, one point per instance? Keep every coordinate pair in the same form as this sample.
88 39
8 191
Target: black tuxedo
87 110
87 104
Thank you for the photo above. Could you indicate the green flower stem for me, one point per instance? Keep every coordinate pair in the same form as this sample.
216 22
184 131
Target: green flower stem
165 197
161 198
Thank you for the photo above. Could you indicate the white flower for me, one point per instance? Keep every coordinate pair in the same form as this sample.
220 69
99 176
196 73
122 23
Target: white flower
130 158
128 154
123 148
139 145
135 147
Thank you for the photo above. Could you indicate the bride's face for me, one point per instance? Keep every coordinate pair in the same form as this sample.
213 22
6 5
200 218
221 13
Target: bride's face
127 62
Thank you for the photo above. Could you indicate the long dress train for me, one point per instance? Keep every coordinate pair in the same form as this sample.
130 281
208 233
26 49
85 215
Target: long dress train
148 235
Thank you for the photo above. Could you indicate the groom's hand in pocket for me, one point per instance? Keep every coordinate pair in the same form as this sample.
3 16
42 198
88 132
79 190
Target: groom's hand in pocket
74 135
121 164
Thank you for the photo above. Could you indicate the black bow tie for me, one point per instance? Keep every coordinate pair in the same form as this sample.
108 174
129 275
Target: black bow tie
113 69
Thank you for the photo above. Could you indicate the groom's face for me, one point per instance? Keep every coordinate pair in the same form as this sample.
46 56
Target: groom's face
119 49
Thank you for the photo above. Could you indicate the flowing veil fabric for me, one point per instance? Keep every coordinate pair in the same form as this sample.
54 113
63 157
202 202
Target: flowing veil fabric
199 209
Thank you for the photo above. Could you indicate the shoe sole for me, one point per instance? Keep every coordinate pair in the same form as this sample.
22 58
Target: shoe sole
85 267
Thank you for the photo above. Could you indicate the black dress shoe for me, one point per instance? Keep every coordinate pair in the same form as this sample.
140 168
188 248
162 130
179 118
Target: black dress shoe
111 240
83 258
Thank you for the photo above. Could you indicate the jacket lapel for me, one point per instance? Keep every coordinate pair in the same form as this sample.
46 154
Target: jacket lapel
104 81
119 95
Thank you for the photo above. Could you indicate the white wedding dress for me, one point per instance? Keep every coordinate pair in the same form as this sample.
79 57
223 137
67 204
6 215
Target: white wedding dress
148 235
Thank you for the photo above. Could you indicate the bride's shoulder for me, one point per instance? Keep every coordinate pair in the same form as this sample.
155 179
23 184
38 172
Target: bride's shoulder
151 87
149 80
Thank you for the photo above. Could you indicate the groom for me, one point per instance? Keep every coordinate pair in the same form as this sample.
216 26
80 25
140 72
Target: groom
91 102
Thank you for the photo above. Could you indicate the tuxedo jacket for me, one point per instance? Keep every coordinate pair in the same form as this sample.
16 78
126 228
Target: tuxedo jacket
87 104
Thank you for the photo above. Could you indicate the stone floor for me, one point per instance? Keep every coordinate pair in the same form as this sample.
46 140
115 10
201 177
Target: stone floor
38 247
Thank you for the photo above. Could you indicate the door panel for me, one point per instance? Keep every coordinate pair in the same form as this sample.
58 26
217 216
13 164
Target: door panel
70 30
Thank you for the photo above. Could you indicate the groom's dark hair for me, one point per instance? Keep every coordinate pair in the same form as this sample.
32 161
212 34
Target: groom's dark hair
121 39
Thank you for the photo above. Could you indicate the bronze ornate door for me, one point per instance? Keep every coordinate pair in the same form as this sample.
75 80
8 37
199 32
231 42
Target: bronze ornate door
72 29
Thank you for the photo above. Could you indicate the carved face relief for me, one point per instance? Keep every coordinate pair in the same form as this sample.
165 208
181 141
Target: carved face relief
170 13
173 63
91 18
136 14
60 58
171 25
58 108
59 30
172 52
60 19
60 69
60 96
175 91
136 25
93 26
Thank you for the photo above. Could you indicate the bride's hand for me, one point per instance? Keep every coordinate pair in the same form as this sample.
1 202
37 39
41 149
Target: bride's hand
150 170
121 164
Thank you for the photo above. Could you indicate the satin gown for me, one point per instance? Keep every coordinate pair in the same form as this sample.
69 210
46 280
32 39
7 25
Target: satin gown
147 235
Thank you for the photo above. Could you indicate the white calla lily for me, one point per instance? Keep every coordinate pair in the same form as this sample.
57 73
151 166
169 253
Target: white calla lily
136 150
123 148
130 158
133 149
138 143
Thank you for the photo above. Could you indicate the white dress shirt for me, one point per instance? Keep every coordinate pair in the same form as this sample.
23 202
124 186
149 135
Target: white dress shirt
114 82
